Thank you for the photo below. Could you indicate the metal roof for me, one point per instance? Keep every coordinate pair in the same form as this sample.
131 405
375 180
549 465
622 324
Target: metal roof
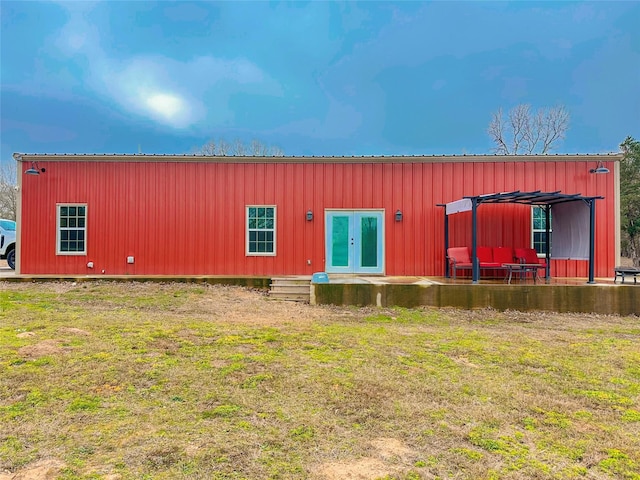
530 198
355 159
199 155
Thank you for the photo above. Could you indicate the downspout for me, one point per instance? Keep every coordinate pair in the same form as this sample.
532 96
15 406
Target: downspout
547 242
447 273
18 158
616 208
474 226
592 223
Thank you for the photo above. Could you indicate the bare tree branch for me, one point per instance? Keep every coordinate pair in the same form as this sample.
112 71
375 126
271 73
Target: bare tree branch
224 148
554 126
209 148
526 132
496 132
519 121
238 148
8 190
532 134
257 149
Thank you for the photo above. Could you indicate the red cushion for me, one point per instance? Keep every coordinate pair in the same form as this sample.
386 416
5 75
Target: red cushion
529 255
459 254
502 255
484 254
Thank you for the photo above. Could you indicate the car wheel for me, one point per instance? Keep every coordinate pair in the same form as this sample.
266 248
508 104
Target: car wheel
11 259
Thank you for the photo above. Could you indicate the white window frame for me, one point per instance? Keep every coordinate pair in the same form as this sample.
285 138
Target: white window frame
59 228
248 230
538 230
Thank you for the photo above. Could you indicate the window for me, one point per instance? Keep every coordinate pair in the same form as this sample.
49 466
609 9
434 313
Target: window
261 230
539 229
72 228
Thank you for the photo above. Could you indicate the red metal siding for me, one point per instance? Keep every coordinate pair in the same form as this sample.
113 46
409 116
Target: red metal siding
188 218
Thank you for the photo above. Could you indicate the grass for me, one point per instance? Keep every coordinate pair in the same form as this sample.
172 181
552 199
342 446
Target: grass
165 381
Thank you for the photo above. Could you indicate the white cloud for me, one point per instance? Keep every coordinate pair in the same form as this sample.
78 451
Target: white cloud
179 94
78 35
145 87
207 70
166 105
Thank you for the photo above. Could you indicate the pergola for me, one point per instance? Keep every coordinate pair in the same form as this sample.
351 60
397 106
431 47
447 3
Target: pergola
537 198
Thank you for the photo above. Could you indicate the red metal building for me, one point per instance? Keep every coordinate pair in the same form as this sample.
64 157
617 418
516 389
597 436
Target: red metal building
266 216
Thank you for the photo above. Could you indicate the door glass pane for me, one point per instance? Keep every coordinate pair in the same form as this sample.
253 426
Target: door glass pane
369 242
340 242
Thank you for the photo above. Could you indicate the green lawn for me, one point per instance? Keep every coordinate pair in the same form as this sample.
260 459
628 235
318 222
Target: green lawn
165 381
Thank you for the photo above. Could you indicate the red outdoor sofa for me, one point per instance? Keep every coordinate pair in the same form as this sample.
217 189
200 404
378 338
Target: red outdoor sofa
492 258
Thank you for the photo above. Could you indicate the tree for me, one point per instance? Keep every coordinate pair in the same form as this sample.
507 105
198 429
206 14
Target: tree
8 190
630 199
239 149
525 131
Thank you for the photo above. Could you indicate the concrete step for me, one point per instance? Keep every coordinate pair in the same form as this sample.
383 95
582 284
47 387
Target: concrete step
290 297
290 281
292 289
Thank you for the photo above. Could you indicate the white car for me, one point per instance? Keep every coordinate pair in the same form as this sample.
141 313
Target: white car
8 242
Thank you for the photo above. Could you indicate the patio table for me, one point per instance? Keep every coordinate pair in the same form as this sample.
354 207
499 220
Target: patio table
522 269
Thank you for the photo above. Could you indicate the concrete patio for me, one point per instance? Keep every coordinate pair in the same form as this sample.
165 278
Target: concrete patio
559 295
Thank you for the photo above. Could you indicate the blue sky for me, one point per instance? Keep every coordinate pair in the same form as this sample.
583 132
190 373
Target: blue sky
314 78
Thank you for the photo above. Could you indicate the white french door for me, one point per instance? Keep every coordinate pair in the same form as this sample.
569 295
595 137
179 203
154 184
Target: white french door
354 241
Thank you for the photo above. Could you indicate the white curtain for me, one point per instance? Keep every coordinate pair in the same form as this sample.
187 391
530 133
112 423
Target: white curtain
570 224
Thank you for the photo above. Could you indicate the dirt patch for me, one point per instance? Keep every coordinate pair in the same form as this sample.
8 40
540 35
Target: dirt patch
75 331
41 349
40 470
388 450
26 335
464 361
363 469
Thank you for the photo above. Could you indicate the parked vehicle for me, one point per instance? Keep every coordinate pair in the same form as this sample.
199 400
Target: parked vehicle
8 242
